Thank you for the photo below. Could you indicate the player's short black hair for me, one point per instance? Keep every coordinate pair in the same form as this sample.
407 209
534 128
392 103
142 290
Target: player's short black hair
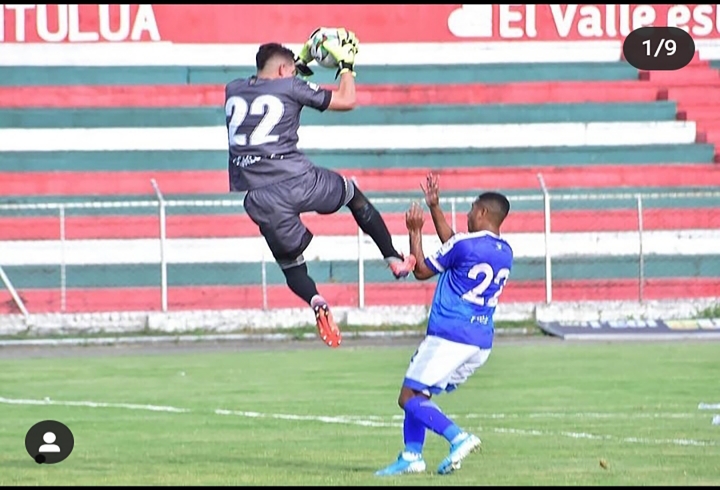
271 50
497 204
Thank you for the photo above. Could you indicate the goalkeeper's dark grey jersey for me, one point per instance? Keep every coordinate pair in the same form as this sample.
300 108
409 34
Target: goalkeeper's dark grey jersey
262 117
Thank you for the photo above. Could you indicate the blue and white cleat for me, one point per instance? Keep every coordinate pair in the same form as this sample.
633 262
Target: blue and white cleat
458 451
406 463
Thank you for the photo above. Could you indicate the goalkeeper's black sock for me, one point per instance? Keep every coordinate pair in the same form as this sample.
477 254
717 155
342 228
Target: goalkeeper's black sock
300 282
369 220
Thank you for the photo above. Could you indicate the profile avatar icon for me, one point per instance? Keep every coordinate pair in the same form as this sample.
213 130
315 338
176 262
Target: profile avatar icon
49 446
49 442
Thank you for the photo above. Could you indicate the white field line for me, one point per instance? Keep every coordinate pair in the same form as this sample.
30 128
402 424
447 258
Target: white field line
541 415
365 421
315 418
709 406
585 435
500 430
129 406
588 415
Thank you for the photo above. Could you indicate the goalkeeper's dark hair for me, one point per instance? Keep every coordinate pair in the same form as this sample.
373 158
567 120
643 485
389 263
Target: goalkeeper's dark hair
268 51
497 205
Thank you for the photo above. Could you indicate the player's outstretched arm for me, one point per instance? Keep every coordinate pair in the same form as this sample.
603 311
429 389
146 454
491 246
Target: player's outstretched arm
343 99
344 51
432 199
414 220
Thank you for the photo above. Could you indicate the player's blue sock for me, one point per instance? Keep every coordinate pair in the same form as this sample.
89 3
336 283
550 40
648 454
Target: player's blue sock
414 434
429 414
451 433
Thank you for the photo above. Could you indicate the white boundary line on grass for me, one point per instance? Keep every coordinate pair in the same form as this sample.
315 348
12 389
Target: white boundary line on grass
709 406
584 415
371 421
585 435
128 406
347 420
500 430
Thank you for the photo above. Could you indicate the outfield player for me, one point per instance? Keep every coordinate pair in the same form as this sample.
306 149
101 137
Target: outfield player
473 268
262 118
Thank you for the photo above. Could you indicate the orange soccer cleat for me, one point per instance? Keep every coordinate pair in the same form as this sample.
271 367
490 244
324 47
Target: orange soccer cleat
403 268
327 328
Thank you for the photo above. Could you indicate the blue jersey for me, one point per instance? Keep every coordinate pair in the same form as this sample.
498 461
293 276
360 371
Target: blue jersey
473 268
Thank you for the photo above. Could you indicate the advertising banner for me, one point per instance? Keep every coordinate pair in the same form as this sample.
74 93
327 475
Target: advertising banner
252 24
634 329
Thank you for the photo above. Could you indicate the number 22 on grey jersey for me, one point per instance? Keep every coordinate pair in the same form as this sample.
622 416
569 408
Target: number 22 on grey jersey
262 117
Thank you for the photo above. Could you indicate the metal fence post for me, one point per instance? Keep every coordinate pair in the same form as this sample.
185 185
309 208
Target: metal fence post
548 259
63 266
264 282
163 231
15 296
453 213
641 262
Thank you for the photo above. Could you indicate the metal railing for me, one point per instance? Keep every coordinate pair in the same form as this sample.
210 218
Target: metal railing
545 200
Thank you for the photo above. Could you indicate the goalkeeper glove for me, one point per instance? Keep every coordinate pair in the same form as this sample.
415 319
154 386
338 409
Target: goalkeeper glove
344 52
302 60
346 37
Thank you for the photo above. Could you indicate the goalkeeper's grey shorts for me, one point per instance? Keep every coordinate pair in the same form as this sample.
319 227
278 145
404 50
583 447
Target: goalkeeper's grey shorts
276 209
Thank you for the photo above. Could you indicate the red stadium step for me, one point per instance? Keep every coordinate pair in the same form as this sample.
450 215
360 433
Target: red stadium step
213 95
111 183
693 74
511 93
705 113
710 135
691 94
395 294
100 96
342 224
709 125
585 176
708 131
215 181
693 86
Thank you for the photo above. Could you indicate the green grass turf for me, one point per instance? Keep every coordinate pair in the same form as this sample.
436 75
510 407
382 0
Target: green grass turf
548 392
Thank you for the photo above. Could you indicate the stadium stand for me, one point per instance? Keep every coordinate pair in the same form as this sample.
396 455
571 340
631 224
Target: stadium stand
104 132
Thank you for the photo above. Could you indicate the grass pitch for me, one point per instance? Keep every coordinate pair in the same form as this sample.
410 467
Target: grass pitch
547 413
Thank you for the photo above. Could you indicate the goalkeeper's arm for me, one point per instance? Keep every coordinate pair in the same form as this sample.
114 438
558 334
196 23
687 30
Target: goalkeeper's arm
343 99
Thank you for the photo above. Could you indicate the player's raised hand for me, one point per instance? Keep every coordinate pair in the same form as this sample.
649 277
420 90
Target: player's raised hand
303 58
343 49
304 70
414 218
344 55
348 37
304 54
431 190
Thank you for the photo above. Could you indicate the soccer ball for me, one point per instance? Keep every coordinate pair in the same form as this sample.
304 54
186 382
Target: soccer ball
320 54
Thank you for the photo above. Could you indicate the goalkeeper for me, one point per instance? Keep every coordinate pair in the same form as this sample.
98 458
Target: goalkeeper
262 117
